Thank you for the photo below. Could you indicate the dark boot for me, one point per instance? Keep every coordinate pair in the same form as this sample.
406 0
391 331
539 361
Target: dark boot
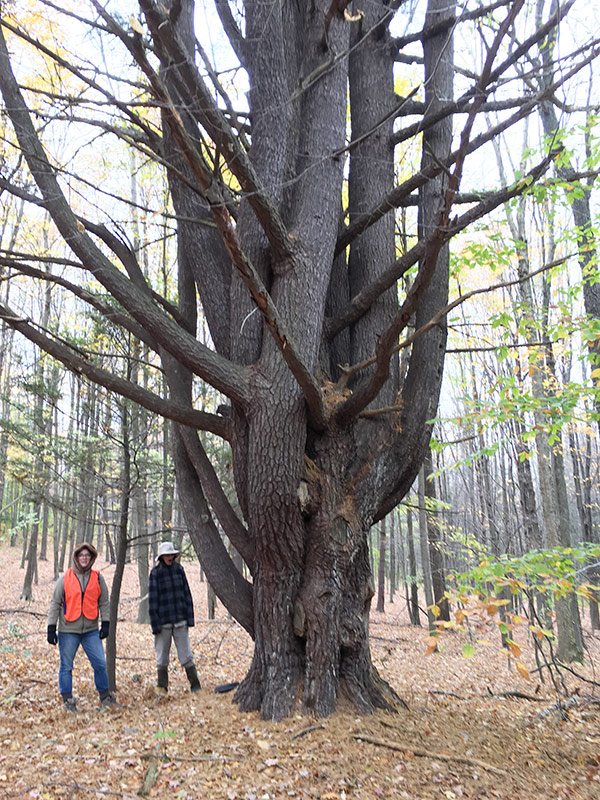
193 678
162 683
69 704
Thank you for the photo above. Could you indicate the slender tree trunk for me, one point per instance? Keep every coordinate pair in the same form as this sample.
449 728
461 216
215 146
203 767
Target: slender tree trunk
381 567
121 555
436 555
413 604
211 599
393 565
424 543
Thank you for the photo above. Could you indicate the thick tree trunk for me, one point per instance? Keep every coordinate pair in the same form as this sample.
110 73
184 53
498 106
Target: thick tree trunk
312 595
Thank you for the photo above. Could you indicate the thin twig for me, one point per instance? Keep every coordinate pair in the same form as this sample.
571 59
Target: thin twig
304 731
475 762
517 694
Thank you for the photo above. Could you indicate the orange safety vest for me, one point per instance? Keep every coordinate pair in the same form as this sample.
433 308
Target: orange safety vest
76 601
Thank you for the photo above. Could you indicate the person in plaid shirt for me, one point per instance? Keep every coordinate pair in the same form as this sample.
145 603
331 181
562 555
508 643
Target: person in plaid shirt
171 611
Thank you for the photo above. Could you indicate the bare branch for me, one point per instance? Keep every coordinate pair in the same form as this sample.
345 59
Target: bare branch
348 372
396 197
445 24
202 105
219 372
77 363
230 26
17 262
365 392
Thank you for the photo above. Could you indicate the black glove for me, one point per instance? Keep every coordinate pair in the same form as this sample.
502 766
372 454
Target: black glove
104 629
52 637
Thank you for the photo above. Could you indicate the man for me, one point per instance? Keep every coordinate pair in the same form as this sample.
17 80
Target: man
80 598
171 612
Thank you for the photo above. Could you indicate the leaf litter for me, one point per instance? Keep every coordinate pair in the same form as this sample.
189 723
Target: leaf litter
472 729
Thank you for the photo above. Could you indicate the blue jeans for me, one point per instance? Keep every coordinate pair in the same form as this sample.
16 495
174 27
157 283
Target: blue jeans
68 644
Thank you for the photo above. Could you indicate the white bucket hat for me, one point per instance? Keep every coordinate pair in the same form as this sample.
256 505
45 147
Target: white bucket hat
166 549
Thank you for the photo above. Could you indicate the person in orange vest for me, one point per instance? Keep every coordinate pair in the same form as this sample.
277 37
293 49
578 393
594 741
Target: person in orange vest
80 598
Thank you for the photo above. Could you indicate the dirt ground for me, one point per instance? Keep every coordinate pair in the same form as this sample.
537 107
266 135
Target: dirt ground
458 739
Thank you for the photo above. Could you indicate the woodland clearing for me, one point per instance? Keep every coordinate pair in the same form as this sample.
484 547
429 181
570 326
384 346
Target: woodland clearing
460 736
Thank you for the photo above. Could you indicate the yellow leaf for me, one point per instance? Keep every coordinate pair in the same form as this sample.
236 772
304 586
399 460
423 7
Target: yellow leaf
353 17
134 24
435 610
514 648
263 745
431 645
522 670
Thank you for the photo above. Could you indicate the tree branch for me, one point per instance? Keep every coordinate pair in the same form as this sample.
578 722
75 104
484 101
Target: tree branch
152 137
230 26
216 370
201 103
445 24
82 366
396 197
16 263
367 390
349 372
236 532
245 268
475 762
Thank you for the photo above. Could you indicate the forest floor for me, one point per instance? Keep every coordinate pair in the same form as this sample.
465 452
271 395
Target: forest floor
459 738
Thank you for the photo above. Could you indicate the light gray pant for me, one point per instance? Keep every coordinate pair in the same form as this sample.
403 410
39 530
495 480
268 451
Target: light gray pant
162 645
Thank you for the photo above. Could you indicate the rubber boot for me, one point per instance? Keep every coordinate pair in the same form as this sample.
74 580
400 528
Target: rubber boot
162 683
193 678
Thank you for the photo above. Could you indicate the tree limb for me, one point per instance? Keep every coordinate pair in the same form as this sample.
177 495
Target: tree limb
349 372
231 28
368 389
236 532
82 366
443 25
202 104
216 370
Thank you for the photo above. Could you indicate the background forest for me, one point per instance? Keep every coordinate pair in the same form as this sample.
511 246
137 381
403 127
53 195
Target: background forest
512 465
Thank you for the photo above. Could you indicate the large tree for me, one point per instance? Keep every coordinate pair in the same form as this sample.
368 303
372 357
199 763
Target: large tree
286 223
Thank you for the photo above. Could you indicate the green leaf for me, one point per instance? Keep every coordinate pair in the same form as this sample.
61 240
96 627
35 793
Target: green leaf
468 651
